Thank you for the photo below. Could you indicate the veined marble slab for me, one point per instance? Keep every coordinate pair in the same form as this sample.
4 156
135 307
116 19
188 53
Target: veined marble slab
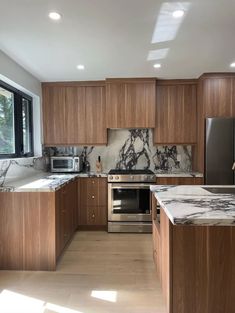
178 174
193 205
44 182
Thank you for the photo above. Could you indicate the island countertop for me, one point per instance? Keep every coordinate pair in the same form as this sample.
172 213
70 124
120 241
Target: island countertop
193 205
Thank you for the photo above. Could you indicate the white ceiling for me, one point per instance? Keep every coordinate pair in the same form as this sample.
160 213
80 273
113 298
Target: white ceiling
113 38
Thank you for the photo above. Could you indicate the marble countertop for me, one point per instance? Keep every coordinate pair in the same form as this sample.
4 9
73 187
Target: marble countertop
178 174
51 182
193 205
45 182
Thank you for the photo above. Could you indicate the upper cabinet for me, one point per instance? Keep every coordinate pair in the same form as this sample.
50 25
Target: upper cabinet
176 112
130 103
218 95
74 113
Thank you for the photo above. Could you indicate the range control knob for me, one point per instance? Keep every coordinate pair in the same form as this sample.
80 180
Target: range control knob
110 177
117 177
131 177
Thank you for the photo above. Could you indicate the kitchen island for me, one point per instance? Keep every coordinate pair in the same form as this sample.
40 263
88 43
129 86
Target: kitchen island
194 247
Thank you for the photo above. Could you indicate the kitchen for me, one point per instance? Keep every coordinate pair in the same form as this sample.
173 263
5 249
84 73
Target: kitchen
89 145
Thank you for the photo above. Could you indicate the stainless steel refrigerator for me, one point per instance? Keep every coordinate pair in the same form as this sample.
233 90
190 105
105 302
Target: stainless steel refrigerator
220 151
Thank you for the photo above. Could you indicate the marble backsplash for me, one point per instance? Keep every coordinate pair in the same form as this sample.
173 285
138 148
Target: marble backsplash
132 149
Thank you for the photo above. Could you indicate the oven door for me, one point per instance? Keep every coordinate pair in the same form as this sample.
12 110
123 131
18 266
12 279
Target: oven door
129 202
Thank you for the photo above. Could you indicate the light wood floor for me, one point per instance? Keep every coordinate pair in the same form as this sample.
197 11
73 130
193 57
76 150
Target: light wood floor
99 273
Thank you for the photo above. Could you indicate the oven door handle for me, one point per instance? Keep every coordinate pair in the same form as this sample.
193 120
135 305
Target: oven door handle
130 186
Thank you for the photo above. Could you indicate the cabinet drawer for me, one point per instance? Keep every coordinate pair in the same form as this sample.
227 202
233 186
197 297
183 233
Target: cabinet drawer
96 215
92 198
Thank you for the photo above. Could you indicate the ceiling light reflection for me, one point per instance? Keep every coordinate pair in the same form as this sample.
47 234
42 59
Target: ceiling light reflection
166 26
157 54
178 13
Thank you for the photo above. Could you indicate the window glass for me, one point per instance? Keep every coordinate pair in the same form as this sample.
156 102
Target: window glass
26 116
16 124
7 127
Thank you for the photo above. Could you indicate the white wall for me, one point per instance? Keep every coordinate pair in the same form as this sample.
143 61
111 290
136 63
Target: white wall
16 73
16 76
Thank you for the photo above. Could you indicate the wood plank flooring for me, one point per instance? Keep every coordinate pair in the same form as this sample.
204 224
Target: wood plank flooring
99 273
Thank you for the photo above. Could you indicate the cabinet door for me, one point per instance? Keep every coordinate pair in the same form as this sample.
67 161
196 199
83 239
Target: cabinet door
157 249
96 132
97 215
93 201
180 180
217 97
115 105
130 103
54 110
140 105
75 115
176 114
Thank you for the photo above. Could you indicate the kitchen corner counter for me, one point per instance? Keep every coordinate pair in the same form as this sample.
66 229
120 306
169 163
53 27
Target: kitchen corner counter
45 182
193 205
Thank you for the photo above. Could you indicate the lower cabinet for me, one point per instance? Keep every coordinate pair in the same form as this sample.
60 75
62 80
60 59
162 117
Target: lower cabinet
92 200
195 265
162 237
35 227
66 215
180 180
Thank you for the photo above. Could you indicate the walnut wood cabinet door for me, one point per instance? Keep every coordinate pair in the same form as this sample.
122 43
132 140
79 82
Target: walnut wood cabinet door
54 112
75 120
180 180
92 195
96 132
176 113
217 96
66 215
115 105
74 114
130 103
140 105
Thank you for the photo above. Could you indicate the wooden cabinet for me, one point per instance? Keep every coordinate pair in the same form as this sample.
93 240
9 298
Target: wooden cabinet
195 263
66 215
74 113
176 112
216 98
92 195
161 235
180 180
35 227
130 103
95 127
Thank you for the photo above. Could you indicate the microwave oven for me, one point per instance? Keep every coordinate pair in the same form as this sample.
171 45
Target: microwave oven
63 164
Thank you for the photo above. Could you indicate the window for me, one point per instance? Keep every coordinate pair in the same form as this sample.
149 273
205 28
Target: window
16 127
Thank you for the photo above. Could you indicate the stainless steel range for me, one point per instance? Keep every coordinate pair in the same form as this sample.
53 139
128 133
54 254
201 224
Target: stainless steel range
129 200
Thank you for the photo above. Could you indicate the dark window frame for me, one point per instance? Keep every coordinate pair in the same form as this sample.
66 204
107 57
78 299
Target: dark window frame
18 120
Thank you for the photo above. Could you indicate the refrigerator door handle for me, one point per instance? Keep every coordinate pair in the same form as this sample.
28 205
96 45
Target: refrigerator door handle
233 167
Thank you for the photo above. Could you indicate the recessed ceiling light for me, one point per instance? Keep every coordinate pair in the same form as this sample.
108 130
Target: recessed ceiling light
157 65
178 13
80 67
232 64
54 16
